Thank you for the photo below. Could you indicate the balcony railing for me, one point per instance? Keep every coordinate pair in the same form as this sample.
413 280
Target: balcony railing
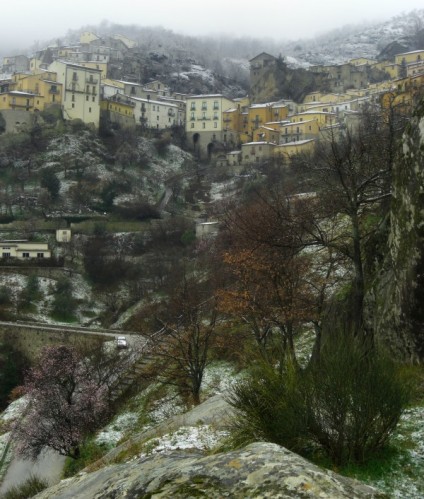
203 119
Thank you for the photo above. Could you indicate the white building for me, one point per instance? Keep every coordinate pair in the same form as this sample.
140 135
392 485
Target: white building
155 114
81 91
22 249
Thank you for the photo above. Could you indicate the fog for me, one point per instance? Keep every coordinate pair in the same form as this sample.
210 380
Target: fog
24 22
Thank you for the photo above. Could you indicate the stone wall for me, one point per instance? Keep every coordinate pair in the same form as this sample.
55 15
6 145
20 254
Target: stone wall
30 339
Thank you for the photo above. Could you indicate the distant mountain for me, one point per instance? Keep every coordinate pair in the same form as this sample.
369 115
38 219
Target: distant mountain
402 33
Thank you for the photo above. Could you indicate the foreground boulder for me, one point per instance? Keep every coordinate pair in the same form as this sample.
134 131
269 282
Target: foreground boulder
258 470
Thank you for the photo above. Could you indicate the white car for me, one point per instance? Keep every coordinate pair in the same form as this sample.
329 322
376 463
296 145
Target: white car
121 342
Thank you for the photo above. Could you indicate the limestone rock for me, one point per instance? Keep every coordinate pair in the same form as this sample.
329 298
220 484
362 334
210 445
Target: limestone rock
398 292
259 470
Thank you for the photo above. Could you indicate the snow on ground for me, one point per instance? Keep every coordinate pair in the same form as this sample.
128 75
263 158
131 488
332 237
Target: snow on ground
218 378
222 190
203 437
14 410
113 432
406 477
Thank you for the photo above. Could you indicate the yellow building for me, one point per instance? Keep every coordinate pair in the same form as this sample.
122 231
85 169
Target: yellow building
256 152
259 114
266 134
88 37
232 120
42 84
359 61
300 131
320 97
118 109
409 57
102 66
205 125
81 91
285 152
18 100
392 70
323 118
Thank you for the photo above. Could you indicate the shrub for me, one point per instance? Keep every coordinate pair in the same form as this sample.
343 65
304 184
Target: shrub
90 451
355 401
269 407
348 404
32 486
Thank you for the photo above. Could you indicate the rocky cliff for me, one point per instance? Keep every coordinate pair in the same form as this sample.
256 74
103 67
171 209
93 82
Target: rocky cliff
398 292
259 470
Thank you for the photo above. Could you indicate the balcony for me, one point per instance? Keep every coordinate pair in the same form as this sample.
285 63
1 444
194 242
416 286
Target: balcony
203 119
93 81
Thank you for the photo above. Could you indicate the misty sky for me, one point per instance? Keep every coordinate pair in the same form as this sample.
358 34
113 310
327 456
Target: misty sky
24 21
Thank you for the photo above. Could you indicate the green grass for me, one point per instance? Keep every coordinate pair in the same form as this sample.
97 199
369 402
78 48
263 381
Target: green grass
32 486
90 452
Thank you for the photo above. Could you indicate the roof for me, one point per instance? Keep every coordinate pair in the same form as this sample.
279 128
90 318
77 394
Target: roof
266 104
18 92
162 103
73 65
412 52
258 143
205 96
314 112
262 54
297 124
297 143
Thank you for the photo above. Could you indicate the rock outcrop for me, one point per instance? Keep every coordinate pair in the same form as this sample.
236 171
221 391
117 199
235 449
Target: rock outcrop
398 293
259 470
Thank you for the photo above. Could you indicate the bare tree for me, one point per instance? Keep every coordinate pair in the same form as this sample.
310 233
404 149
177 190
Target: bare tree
181 348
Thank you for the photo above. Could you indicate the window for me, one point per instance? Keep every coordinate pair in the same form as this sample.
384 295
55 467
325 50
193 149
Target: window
86 97
94 90
74 76
157 118
73 98
6 255
193 106
73 105
203 125
192 116
192 125
215 125
88 89
94 98
215 116
154 108
204 105
25 255
203 115
89 109
215 105
40 255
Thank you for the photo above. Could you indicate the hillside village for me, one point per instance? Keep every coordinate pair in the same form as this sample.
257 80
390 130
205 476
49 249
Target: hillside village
132 205
233 132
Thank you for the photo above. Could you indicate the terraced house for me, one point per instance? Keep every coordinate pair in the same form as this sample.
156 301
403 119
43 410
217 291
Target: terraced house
205 125
81 91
